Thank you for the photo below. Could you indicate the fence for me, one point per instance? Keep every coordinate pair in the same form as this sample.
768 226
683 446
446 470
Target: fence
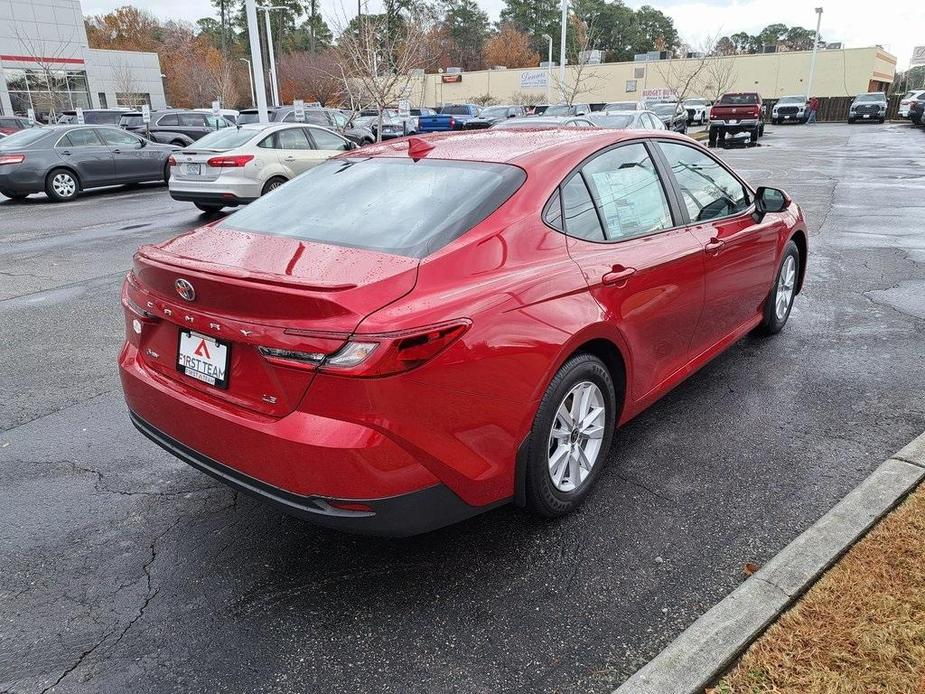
835 108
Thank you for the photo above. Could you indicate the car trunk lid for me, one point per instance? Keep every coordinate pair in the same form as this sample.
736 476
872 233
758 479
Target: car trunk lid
255 293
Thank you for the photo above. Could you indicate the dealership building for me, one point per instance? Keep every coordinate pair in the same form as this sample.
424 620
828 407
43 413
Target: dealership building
47 64
838 72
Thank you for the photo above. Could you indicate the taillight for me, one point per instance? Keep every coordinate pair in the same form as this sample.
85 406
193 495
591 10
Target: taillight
385 354
232 161
370 355
12 158
171 161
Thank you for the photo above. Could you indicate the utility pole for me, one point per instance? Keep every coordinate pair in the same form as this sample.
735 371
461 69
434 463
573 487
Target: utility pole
274 83
250 78
257 61
812 63
562 49
548 68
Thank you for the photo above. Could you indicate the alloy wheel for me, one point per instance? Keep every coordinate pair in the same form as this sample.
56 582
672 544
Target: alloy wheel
785 285
574 443
64 185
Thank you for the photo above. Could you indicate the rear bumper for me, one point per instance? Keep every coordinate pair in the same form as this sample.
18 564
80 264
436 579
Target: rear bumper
398 516
210 197
301 462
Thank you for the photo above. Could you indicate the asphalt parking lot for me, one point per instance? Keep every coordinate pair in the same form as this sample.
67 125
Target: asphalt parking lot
122 569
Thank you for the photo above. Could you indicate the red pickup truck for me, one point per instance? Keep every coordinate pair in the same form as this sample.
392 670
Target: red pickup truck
736 112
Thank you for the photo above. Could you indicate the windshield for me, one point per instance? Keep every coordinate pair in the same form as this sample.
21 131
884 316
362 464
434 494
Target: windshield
226 138
695 102
739 99
23 138
870 97
792 100
391 205
621 106
561 110
621 121
455 110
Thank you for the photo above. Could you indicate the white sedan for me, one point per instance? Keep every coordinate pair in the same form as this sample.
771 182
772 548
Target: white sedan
235 166
627 120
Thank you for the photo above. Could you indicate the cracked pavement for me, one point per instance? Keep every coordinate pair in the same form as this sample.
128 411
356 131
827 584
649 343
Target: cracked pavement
122 569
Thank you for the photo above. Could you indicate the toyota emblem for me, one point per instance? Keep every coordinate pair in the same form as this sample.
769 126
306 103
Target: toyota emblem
185 289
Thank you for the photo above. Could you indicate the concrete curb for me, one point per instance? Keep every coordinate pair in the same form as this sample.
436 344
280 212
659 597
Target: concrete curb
705 649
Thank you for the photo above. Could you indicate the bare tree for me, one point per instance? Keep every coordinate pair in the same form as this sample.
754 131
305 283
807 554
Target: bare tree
127 91
223 75
719 76
379 54
578 78
312 76
46 56
683 76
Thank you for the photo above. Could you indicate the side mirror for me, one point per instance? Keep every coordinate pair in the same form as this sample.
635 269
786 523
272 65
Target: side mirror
769 200
352 145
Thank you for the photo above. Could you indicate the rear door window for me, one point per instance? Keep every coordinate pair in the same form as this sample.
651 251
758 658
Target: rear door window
169 119
194 120
84 137
291 138
390 205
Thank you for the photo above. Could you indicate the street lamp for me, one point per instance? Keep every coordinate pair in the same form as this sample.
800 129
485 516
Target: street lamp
274 85
250 78
812 63
562 48
548 67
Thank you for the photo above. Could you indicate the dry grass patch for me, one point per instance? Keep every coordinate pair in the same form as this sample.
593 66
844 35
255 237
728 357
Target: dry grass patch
859 630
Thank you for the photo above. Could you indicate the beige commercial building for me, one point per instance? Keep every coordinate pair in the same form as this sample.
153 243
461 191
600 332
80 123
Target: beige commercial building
839 72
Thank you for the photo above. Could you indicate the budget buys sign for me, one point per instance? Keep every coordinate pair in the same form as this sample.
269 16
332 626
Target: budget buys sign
534 79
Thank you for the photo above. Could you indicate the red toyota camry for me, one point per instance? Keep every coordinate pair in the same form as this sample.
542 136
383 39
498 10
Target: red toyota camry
413 333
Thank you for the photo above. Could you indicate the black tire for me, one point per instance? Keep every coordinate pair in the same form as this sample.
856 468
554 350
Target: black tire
208 208
755 134
272 184
166 173
772 322
761 130
882 120
58 193
178 143
543 497
775 121
851 121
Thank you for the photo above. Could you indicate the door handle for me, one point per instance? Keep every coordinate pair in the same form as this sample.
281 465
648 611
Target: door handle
289 159
618 275
117 151
714 245
66 152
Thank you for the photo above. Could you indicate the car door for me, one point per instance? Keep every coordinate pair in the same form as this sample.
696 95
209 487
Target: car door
84 151
644 268
326 144
294 150
132 160
740 254
193 125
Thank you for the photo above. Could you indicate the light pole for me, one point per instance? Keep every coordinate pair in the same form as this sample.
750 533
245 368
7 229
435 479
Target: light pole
812 63
274 84
250 78
260 94
548 67
562 49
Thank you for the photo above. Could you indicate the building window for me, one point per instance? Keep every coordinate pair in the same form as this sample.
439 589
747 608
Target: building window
133 99
102 98
47 91
630 86
639 73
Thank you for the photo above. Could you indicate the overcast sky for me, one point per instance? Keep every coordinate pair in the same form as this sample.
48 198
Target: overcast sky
897 25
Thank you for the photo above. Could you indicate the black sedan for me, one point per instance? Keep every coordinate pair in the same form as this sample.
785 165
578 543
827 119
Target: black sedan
672 114
62 160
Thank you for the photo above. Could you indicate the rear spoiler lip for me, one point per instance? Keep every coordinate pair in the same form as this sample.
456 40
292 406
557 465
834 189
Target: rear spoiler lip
170 261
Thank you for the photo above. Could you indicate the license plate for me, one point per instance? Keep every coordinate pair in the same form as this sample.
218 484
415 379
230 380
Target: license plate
191 169
867 115
203 358
732 122
787 117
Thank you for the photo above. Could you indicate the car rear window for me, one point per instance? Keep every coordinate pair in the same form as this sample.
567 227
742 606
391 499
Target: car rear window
622 121
226 138
23 138
246 117
102 117
455 110
383 204
739 99
132 121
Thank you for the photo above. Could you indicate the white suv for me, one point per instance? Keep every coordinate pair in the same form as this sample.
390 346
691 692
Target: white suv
907 99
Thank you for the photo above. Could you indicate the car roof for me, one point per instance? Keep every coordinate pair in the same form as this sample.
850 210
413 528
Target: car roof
525 147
